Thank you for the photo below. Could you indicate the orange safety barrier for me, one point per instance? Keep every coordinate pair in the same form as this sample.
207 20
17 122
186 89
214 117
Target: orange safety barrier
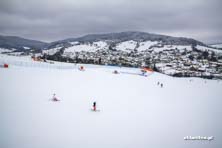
147 69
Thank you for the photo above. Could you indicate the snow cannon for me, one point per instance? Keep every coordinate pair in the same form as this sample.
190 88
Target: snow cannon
36 58
81 68
146 70
5 65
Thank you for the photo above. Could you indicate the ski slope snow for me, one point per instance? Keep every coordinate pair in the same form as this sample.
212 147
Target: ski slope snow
135 112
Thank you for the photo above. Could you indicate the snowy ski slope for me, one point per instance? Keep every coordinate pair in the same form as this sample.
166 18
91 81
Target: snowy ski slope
135 112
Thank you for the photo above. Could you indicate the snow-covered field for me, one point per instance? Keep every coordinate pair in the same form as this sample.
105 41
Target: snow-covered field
217 45
126 46
146 45
87 47
135 112
5 50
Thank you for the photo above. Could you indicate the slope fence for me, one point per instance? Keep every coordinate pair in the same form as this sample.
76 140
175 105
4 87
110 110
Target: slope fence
36 64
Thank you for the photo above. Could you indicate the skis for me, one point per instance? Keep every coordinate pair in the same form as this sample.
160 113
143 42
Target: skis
95 110
142 75
54 100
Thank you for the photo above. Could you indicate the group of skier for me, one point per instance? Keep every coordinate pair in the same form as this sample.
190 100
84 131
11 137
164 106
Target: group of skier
161 84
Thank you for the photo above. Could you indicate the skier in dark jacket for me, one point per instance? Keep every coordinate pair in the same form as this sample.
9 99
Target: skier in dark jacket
94 106
161 85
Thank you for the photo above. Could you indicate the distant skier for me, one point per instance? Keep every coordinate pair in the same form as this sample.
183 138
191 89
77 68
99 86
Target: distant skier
94 106
115 72
143 72
54 98
161 85
158 83
100 61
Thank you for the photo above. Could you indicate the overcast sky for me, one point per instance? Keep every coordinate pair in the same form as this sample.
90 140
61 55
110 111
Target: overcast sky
50 20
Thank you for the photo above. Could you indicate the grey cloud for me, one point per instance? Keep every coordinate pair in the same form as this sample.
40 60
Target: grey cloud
51 20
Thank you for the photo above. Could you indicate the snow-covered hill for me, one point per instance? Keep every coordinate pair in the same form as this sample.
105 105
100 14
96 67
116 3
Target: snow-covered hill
87 47
171 59
126 46
127 36
134 110
217 45
21 44
128 42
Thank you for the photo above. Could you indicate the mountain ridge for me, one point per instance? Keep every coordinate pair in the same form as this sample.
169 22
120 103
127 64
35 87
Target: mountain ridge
131 35
10 42
19 43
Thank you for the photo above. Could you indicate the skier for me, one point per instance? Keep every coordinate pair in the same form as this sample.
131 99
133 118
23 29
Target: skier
158 83
115 72
54 98
94 106
143 72
161 85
